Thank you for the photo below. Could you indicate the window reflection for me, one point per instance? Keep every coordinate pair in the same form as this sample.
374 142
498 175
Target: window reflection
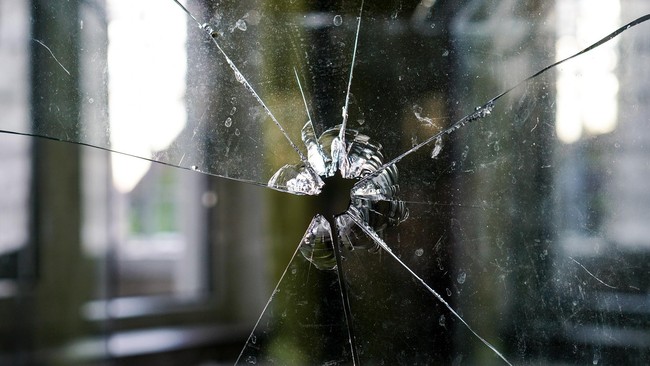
163 246
601 265
160 244
587 92
138 61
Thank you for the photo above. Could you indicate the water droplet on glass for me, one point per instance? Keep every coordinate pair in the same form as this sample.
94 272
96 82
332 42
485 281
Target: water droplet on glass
81 24
448 292
209 199
233 110
338 20
228 122
437 148
441 321
446 53
241 25
194 167
237 133
238 76
251 360
465 152
596 357
419 252
208 28
481 111
91 100
543 254
417 110
253 339
461 277
294 271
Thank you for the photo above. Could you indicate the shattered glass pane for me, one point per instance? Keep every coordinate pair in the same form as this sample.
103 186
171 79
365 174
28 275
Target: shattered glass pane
495 205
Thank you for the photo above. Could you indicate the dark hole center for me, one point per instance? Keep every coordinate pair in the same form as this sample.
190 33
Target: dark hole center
334 198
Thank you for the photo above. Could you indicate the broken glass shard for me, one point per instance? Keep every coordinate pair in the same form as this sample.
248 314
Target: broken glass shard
315 155
375 201
297 179
316 244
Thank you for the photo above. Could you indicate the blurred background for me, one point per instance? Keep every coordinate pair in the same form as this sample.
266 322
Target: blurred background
532 223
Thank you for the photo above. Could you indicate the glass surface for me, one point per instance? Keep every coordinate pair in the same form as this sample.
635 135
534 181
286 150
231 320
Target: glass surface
14 153
498 215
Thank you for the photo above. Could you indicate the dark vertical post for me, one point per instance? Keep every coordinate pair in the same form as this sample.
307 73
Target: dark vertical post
58 287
